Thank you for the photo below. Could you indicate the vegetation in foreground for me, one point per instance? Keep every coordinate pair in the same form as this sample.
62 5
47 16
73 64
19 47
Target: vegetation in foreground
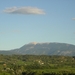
37 65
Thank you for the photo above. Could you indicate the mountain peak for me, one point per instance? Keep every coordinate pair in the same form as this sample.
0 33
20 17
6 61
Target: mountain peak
34 43
45 48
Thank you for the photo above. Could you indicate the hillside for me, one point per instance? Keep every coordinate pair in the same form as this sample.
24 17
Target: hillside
44 49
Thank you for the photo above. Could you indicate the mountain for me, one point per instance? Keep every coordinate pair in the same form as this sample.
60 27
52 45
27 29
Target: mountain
44 49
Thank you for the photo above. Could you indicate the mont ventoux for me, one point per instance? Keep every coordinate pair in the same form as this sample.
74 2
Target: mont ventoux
35 48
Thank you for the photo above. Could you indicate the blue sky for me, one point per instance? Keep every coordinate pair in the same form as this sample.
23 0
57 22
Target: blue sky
25 21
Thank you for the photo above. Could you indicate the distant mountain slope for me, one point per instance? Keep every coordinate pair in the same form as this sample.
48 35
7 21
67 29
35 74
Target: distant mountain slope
44 49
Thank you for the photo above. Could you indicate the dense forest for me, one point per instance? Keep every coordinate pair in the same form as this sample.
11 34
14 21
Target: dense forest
37 65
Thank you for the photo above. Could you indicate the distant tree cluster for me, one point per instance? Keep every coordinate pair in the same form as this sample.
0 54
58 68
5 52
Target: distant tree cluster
37 65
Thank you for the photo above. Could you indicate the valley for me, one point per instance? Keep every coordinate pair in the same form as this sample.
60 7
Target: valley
37 65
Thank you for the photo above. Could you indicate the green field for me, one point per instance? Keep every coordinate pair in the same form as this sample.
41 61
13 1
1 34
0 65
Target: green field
37 65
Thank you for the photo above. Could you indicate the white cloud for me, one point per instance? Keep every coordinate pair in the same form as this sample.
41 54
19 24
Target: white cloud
73 18
23 10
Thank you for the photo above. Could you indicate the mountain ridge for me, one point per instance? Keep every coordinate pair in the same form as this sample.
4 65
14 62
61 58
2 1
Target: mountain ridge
45 48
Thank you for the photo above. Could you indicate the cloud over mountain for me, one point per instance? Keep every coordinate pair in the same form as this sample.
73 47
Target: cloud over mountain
24 10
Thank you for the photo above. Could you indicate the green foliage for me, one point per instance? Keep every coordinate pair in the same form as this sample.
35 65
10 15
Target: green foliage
36 65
